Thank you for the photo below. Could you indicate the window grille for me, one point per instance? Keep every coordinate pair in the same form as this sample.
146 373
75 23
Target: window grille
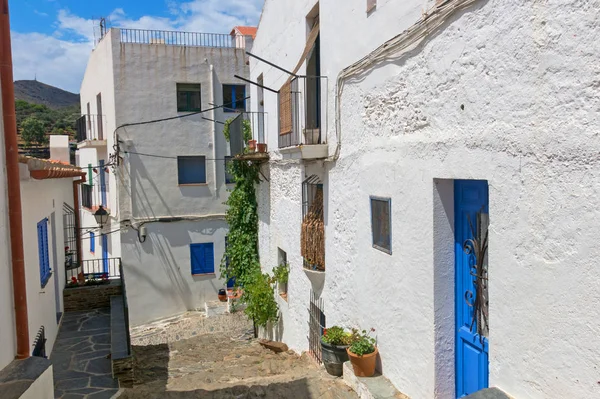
312 240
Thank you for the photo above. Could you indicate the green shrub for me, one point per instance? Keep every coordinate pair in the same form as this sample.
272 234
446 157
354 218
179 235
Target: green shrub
362 343
336 336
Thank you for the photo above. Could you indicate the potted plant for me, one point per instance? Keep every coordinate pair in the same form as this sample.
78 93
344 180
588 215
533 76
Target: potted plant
334 345
363 353
251 145
222 295
281 274
261 147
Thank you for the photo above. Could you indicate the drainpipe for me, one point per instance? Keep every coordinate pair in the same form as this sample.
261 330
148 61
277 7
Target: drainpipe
14 187
76 184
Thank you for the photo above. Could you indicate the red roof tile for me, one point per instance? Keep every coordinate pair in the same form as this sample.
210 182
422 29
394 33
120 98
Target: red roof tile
245 30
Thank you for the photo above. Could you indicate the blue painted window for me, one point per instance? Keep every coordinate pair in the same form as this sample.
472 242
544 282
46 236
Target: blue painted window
188 97
191 169
92 242
228 176
42 230
202 257
381 223
234 98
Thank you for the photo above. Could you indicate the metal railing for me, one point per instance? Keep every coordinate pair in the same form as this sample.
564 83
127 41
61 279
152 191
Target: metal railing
255 121
95 269
189 39
91 127
39 345
316 325
308 99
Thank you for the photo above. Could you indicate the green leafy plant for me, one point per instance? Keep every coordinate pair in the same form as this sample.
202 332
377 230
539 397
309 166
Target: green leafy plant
33 131
246 129
336 336
362 342
281 273
241 253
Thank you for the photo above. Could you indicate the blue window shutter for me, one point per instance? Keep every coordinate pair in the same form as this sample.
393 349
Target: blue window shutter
42 228
92 242
191 169
202 258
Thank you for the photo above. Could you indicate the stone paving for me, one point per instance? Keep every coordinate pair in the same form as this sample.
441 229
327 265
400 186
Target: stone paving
196 357
80 357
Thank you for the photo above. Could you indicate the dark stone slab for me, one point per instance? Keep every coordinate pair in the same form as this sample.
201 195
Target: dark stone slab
79 334
84 342
103 381
488 393
91 355
75 383
101 338
69 375
61 361
85 391
98 366
95 323
108 394
28 369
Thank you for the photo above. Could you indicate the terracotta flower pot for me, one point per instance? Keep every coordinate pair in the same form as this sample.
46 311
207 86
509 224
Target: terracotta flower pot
262 147
364 366
252 145
222 295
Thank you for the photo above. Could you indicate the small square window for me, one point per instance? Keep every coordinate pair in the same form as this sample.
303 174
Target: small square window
381 223
191 169
228 176
234 98
188 97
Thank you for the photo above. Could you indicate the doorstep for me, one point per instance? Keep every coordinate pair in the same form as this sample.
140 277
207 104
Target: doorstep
376 387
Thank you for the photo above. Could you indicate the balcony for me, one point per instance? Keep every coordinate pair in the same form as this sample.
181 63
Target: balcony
186 39
249 125
91 131
303 118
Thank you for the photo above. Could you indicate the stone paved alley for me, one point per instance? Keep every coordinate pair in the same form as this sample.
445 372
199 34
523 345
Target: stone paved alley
196 357
80 360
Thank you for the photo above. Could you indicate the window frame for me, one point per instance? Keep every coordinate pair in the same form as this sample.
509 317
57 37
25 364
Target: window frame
387 200
188 105
234 98
43 252
179 175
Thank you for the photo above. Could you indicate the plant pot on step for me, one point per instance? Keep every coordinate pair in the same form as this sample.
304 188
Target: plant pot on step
252 145
364 366
262 147
222 295
333 357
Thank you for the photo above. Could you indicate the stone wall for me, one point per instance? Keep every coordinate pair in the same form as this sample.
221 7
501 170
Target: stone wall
92 297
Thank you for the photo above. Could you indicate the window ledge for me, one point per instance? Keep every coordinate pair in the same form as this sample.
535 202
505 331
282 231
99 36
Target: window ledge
192 184
306 151
204 274
284 296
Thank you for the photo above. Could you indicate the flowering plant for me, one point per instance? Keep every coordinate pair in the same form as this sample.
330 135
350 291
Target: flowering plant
105 276
363 343
336 336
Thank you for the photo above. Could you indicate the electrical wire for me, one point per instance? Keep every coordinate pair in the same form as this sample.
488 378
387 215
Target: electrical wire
104 234
175 157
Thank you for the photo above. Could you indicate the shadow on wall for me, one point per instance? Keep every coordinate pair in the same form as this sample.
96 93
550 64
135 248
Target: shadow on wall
141 202
273 331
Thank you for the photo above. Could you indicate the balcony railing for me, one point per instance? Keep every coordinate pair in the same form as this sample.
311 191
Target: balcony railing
94 269
189 39
255 121
303 112
91 127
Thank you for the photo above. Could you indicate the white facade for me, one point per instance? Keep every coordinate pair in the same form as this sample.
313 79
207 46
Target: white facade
7 308
500 92
138 83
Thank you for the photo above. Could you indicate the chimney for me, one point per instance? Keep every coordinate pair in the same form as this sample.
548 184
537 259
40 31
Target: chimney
59 148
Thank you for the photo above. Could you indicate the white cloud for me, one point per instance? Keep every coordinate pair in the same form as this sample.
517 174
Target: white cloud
60 59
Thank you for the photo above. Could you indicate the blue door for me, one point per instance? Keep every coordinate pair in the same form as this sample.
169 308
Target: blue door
105 253
470 197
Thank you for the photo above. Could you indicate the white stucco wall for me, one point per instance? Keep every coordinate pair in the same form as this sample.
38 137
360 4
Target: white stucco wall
158 271
525 74
142 81
41 198
7 313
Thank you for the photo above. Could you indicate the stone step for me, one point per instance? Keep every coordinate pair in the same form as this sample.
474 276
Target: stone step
376 387
215 308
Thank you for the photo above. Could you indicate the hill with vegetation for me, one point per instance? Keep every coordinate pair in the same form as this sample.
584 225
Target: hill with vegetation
36 92
36 121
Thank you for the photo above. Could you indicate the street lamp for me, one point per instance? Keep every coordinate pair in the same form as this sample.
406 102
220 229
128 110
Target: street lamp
101 216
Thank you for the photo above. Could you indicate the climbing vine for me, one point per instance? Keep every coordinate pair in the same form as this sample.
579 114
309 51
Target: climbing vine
241 253
246 129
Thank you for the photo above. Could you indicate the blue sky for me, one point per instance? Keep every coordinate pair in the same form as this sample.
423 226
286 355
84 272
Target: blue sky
53 38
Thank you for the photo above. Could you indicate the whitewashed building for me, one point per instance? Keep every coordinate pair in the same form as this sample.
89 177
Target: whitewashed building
151 134
425 112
